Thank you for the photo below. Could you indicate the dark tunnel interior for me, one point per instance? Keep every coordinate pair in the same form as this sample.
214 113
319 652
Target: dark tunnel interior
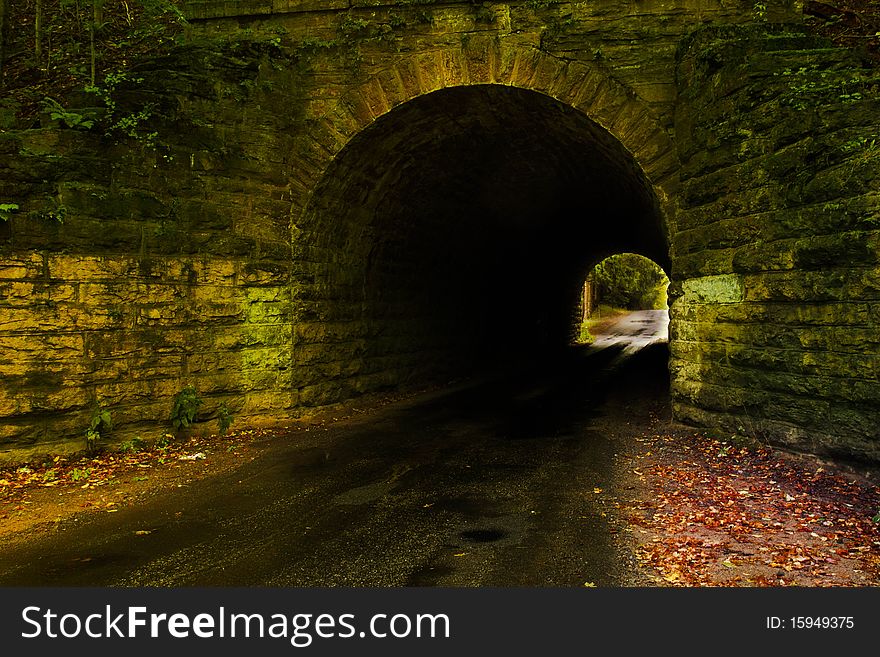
457 230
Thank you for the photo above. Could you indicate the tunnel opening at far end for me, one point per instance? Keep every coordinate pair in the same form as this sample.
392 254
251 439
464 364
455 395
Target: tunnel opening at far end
453 235
620 286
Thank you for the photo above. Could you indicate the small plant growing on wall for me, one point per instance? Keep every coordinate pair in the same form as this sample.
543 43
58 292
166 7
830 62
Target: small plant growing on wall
132 446
6 210
224 418
186 408
759 11
53 210
70 118
99 425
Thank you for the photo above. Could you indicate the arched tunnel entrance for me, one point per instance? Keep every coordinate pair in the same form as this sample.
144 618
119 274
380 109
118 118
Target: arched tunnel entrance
624 283
455 232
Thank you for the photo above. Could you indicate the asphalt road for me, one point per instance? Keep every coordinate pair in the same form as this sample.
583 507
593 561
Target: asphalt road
490 484
636 331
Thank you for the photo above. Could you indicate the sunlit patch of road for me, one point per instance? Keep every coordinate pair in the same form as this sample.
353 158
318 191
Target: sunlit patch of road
635 331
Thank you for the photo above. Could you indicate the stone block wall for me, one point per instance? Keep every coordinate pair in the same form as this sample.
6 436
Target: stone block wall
638 40
776 326
219 257
131 271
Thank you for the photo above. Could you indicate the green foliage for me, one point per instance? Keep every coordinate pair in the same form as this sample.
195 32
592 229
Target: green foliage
860 152
131 126
224 418
75 42
311 45
584 334
186 408
156 8
78 474
353 31
759 11
53 210
860 144
810 88
121 122
425 17
396 21
99 425
352 26
70 118
6 210
630 281
132 446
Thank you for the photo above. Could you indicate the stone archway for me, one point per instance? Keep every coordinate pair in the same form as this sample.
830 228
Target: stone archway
588 88
453 204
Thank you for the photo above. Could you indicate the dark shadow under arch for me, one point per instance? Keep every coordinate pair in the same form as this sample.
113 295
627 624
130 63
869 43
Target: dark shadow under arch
457 229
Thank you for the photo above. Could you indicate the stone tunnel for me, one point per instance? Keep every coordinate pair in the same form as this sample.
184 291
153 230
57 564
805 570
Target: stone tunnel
459 227
348 197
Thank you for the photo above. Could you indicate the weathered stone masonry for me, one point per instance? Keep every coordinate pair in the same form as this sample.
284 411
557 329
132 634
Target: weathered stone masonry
353 198
776 252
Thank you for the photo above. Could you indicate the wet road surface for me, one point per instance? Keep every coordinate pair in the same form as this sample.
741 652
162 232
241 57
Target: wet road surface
635 331
489 484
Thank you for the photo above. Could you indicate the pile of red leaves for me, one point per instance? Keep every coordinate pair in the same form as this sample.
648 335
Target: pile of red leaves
726 515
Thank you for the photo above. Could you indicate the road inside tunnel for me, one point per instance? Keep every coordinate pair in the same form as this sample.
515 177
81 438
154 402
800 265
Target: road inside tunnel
488 484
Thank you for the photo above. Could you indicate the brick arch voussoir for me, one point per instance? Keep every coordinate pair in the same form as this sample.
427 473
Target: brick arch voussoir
590 88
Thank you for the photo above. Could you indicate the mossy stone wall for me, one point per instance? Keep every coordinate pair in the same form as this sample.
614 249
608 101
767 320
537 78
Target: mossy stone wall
212 257
776 326
130 271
